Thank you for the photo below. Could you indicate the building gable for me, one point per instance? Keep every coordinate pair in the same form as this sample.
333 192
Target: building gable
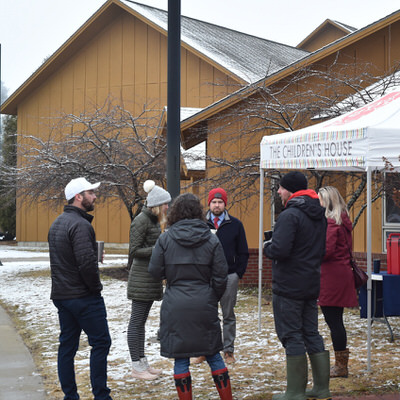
326 33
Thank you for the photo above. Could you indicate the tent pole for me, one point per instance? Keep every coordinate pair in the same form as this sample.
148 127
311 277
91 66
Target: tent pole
369 283
260 244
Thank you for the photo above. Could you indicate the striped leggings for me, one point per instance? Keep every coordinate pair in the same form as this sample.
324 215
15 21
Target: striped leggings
136 328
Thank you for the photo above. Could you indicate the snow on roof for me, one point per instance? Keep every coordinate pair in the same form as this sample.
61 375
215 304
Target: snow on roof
345 26
248 57
187 112
195 157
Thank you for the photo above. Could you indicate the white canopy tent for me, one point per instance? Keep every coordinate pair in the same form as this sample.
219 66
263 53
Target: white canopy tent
360 140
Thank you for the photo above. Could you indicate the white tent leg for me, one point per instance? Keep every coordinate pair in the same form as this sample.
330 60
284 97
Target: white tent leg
260 244
369 256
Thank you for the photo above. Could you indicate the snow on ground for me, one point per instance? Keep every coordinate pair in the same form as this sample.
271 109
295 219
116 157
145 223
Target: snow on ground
260 367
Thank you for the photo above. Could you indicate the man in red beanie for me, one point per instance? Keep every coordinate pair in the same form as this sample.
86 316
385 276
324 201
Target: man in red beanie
232 236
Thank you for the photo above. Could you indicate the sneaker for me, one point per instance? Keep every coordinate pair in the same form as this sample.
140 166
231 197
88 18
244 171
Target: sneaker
140 371
229 357
146 375
198 360
146 366
154 371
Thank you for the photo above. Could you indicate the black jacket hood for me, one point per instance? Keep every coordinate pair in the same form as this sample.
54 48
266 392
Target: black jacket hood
190 233
311 207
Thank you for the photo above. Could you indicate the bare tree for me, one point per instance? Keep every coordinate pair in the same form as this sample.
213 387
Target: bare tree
8 160
108 144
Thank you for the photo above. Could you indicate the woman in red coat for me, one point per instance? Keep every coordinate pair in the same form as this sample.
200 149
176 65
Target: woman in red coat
337 281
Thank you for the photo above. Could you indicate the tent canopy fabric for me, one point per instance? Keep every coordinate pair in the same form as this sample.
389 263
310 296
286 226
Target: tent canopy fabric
362 138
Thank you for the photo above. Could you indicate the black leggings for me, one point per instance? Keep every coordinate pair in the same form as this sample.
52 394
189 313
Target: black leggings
334 318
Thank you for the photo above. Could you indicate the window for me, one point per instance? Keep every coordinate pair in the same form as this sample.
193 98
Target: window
386 233
392 208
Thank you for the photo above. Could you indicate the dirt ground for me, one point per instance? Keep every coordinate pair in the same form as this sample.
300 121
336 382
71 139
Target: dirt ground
260 368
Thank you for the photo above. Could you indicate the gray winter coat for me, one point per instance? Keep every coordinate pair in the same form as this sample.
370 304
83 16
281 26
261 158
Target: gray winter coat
192 261
144 232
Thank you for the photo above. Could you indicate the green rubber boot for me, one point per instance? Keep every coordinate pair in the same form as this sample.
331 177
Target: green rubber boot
320 372
296 377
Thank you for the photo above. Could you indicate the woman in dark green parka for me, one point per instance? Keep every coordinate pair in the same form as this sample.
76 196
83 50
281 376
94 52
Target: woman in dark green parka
143 289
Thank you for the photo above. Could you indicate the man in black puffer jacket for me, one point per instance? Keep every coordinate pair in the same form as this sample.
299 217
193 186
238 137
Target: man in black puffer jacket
297 248
76 289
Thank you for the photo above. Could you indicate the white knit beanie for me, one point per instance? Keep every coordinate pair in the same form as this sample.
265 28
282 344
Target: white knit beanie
156 194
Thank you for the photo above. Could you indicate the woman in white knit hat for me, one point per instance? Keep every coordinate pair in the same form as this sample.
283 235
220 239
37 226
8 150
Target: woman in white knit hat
143 289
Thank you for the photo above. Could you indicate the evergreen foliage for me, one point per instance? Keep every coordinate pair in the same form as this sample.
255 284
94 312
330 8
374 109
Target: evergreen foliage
8 160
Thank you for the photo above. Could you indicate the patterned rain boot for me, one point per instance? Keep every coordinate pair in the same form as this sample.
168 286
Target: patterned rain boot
223 383
183 383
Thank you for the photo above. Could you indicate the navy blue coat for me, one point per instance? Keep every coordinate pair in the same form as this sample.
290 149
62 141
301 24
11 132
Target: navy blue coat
233 239
192 261
297 249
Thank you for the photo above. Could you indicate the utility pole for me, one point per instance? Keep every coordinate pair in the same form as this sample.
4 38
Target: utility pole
174 98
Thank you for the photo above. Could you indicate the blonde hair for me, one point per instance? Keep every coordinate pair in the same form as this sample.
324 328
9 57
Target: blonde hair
333 203
162 217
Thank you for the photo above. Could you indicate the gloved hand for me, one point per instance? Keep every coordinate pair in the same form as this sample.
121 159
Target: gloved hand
267 242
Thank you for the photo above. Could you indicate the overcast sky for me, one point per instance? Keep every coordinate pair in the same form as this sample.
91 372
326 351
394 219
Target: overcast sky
32 30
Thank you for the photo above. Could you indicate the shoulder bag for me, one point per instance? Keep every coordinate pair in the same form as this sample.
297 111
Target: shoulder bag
360 277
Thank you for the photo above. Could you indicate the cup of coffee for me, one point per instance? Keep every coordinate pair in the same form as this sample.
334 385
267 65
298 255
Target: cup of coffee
377 266
100 251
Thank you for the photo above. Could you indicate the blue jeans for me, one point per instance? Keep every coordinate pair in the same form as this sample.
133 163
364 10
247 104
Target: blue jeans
87 314
296 324
215 362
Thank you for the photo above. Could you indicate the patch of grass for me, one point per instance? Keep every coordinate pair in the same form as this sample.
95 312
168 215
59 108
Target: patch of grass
40 273
119 273
115 250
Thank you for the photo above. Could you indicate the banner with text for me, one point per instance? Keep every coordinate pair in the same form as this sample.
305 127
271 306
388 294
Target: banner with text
312 150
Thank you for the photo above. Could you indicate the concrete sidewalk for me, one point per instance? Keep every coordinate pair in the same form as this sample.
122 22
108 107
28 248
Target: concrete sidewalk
19 379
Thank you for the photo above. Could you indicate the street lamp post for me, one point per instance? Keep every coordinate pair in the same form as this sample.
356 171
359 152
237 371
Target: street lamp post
174 97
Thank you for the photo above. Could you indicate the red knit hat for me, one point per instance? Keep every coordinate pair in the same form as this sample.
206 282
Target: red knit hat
217 193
